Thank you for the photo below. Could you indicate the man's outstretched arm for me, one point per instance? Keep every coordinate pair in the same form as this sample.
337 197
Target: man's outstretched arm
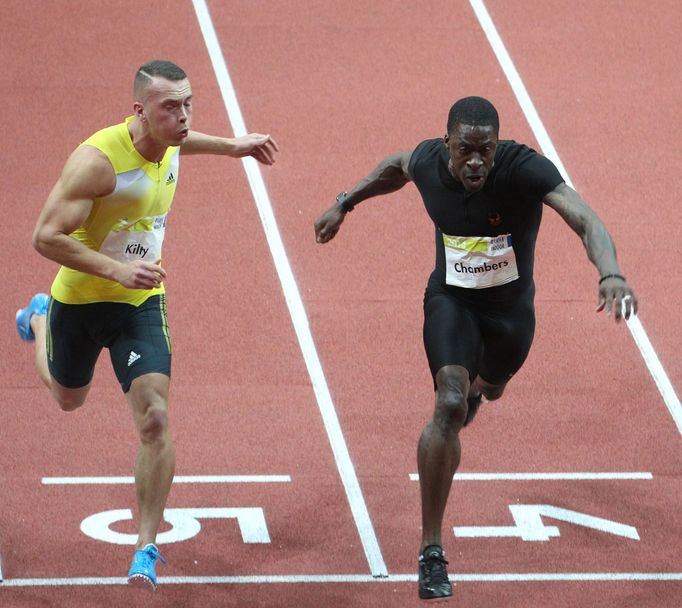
390 175
261 147
614 293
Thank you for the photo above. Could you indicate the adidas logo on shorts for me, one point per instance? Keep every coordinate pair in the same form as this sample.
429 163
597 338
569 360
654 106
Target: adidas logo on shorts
133 357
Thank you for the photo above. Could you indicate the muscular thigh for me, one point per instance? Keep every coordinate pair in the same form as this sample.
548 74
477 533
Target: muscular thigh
71 350
451 333
142 345
507 338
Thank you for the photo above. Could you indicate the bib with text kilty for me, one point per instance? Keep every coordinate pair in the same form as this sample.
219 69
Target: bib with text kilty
135 240
476 262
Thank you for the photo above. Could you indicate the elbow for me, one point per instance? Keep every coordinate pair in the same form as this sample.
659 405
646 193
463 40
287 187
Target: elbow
36 241
40 241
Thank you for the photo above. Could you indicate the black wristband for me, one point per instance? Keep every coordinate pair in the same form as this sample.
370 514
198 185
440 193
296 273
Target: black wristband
611 276
341 201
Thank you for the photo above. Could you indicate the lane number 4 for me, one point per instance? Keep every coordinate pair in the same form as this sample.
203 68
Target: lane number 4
529 526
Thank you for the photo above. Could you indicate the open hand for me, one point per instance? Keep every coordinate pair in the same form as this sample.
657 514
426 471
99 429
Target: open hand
616 297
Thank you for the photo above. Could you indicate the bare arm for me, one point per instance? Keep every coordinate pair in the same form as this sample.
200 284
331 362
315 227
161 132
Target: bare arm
87 175
389 175
599 247
261 147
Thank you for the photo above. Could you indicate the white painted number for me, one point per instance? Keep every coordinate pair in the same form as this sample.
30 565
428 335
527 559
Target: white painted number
184 524
530 527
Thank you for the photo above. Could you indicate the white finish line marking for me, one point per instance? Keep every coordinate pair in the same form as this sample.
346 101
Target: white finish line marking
48 481
299 318
639 335
542 476
542 577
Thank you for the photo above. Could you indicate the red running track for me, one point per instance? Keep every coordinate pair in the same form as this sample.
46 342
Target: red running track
341 85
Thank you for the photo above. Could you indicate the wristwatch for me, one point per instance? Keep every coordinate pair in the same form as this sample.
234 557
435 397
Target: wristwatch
341 201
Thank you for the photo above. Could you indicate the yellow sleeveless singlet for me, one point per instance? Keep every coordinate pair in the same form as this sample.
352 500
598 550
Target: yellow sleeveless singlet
126 225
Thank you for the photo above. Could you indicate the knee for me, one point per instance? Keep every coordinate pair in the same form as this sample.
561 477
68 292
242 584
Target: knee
493 393
69 403
148 397
154 424
451 409
490 391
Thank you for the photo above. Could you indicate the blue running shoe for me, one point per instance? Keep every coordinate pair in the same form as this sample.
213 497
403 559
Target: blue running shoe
141 573
37 306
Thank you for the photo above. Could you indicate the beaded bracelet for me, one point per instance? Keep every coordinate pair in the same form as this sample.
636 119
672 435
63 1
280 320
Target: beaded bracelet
611 276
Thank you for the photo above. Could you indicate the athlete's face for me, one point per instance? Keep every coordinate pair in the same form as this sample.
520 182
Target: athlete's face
472 154
167 110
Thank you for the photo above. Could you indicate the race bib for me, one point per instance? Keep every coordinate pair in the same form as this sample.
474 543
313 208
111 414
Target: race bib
476 262
139 240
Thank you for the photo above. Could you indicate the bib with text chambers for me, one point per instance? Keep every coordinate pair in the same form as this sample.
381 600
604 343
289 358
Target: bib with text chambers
477 262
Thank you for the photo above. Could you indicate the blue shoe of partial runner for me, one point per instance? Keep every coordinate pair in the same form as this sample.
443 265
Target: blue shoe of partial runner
37 306
141 573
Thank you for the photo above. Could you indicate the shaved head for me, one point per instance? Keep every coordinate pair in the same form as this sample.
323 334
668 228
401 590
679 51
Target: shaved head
146 73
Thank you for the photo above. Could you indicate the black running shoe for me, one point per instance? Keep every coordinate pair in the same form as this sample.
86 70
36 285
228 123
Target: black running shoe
433 574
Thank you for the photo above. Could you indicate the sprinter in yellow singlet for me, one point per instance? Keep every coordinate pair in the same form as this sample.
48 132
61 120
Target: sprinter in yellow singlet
104 223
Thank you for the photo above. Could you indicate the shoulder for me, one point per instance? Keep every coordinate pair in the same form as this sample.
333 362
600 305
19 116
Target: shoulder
511 153
515 156
116 143
519 166
112 132
426 151
88 172
429 147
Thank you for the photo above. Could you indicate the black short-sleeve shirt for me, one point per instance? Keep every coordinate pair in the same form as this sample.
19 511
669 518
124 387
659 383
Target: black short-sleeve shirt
510 202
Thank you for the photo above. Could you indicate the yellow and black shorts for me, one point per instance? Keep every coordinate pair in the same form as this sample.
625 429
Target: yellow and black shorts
137 338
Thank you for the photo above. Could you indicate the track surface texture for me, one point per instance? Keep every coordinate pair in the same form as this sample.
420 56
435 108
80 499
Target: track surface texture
341 85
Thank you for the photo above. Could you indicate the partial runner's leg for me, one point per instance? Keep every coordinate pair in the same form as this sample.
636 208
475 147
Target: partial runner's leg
69 399
155 463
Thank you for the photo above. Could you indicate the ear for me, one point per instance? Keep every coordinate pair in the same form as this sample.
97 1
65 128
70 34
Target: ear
138 110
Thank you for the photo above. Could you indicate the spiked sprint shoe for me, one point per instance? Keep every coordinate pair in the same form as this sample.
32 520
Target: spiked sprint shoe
142 573
37 306
433 574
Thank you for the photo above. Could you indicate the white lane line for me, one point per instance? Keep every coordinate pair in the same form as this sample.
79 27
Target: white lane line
542 476
655 366
48 481
640 336
294 302
355 578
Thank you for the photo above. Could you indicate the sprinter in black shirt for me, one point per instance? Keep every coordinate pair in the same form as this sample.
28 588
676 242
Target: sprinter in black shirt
485 197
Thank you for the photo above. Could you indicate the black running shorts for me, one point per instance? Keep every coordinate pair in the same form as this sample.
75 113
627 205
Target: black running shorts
487 342
137 338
